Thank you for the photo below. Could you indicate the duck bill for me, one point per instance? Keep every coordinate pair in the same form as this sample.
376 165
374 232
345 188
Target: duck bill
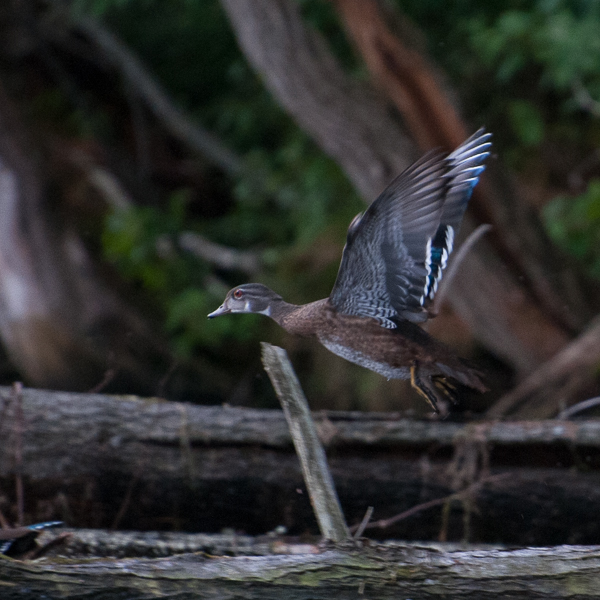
222 310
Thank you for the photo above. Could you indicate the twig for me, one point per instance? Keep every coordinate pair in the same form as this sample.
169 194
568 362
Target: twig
579 407
138 79
306 441
60 540
221 256
568 370
384 523
108 376
104 182
584 99
365 521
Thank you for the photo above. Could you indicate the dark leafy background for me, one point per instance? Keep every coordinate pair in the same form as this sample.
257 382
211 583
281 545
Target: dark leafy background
529 71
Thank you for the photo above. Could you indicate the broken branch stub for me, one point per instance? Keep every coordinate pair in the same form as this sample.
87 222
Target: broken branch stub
312 457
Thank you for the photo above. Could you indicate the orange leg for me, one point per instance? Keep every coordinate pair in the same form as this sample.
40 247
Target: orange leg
426 391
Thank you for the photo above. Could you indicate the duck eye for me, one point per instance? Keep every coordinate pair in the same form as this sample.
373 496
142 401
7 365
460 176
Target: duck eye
238 294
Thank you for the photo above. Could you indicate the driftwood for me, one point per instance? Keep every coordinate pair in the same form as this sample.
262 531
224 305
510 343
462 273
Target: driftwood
123 462
393 571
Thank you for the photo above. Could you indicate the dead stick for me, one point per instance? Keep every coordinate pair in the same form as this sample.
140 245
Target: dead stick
473 488
308 446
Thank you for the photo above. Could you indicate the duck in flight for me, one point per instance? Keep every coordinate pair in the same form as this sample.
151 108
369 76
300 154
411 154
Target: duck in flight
391 266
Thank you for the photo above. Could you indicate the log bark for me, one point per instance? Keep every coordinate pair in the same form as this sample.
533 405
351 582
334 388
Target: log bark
270 566
105 461
397 571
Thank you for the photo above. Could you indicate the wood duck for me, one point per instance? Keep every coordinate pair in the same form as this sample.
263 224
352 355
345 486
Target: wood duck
391 266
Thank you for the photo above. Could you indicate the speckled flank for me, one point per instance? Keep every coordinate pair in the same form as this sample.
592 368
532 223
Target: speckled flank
358 358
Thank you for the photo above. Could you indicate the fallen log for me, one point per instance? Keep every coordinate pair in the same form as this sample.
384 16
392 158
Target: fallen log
382 571
92 460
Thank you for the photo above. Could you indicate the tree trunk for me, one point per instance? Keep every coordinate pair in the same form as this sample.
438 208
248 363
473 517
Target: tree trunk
61 324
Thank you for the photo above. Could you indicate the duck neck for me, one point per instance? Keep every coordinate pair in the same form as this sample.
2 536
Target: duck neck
303 319
280 311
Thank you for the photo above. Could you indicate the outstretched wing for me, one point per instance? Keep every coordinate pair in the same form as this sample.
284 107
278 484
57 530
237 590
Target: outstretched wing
396 250
465 168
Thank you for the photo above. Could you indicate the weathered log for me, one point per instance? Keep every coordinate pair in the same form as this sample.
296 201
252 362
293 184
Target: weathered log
101 543
107 461
392 571
89 423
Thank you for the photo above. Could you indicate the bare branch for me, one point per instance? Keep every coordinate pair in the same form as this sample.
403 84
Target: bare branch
579 407
472 489
221 256
142 83
110 189
542 392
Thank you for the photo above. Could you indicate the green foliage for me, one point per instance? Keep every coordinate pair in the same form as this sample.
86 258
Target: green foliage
545 59
141 243
527 122
131 240
533 65
559 37
574 224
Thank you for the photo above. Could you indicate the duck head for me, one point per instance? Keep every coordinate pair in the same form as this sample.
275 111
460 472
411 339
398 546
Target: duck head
249 298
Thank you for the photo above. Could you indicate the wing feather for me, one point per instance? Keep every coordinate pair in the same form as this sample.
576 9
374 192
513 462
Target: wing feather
396 250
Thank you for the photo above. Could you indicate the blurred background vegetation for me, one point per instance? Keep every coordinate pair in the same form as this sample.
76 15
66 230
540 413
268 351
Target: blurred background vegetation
528 70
